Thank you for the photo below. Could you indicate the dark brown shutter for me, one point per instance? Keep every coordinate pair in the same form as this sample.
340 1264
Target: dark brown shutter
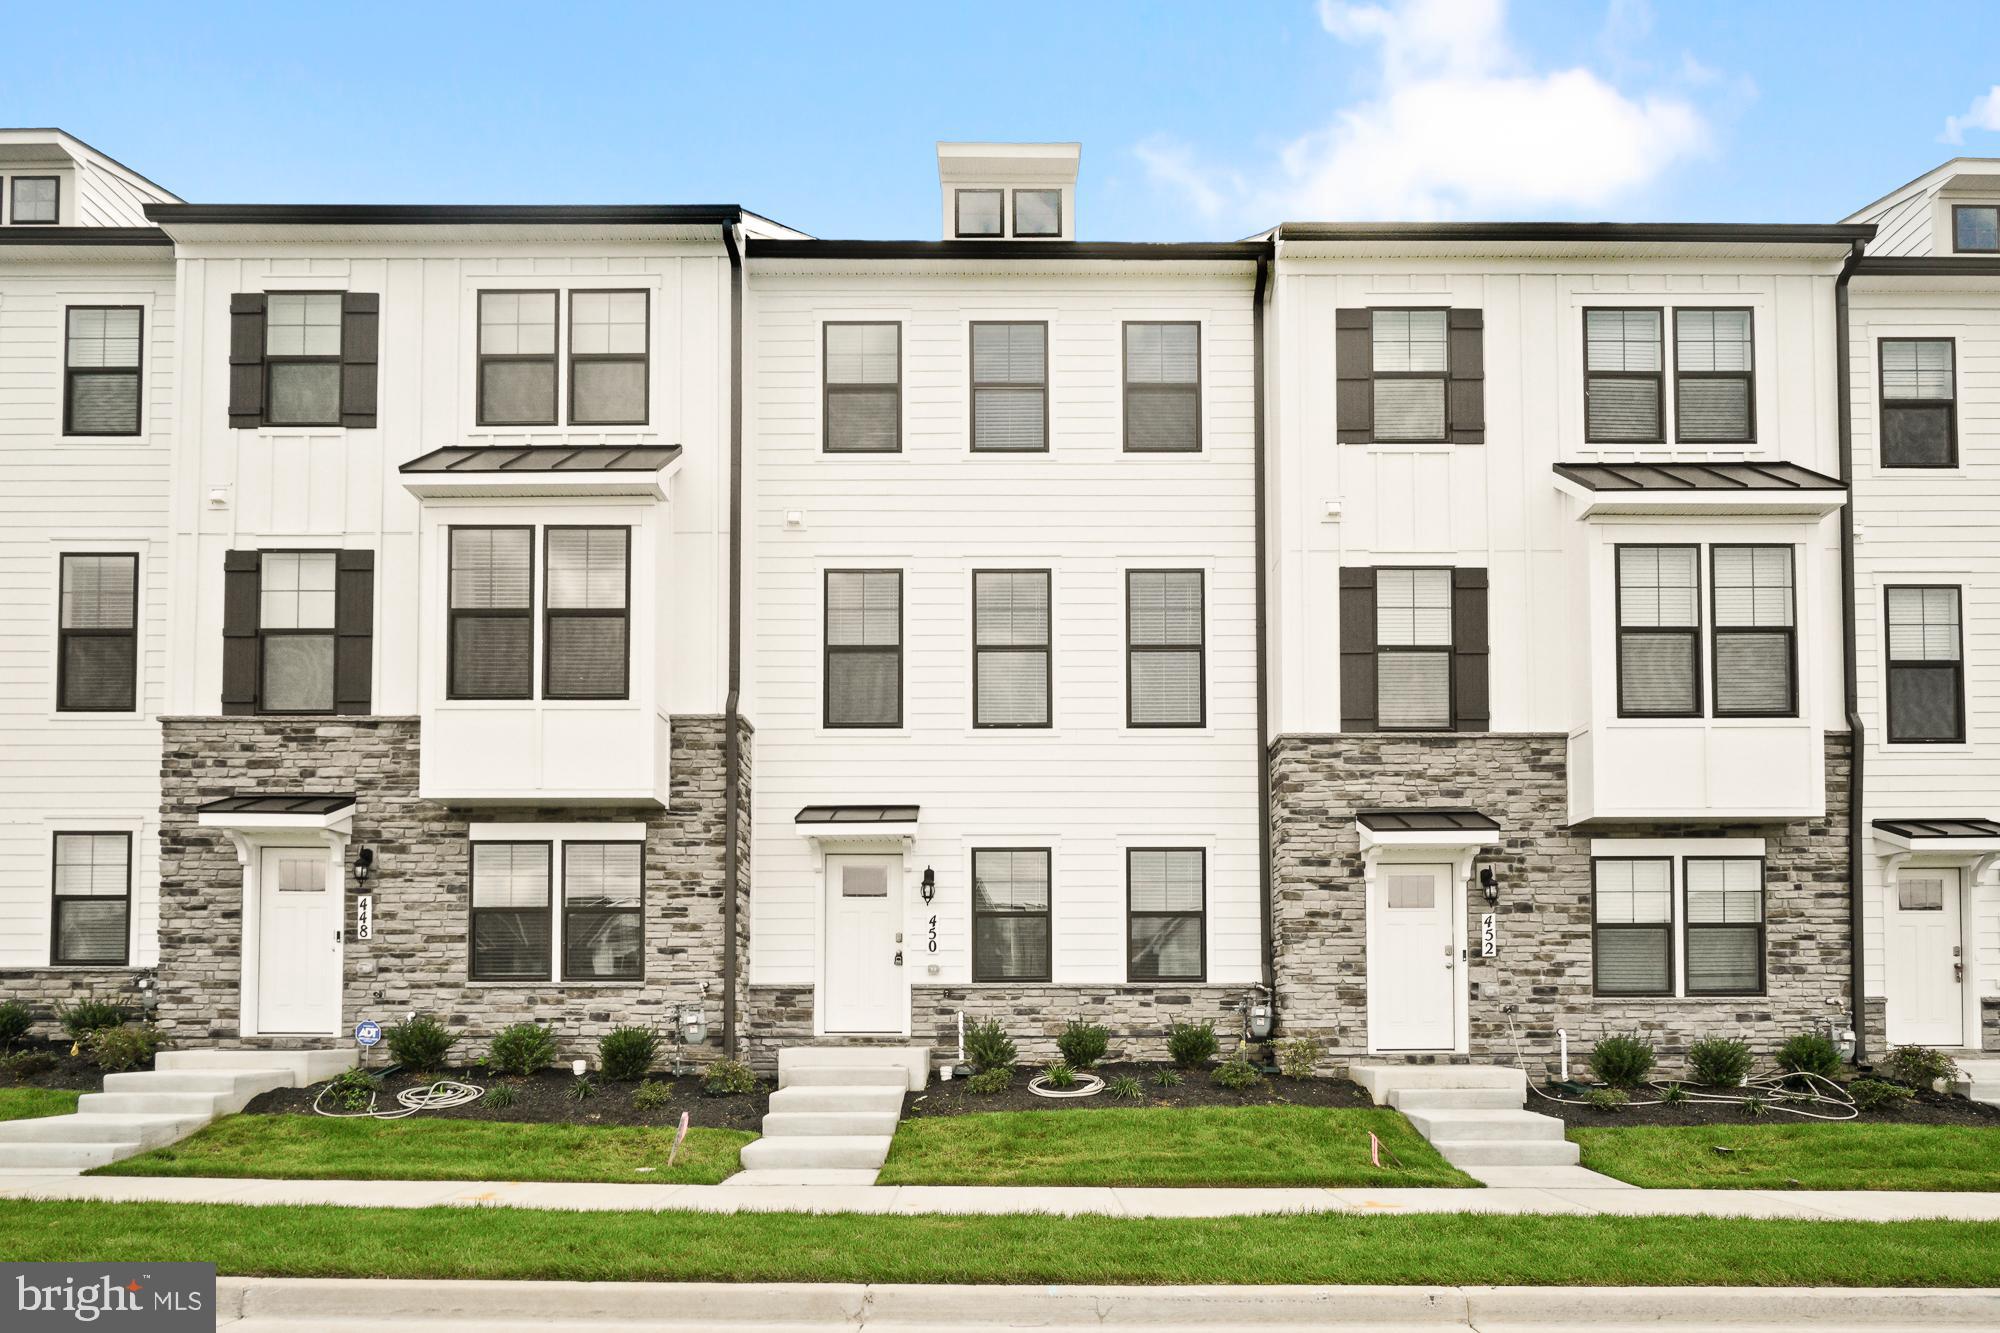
359 338
1465 391
246 360
1354 375
354 632
239 631
1470 710
1357 650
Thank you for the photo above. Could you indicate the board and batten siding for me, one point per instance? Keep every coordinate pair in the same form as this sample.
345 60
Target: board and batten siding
1088 787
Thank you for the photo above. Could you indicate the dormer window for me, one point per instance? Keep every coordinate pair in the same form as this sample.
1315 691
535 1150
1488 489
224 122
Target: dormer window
980 213
1038 213
1975 229
37 201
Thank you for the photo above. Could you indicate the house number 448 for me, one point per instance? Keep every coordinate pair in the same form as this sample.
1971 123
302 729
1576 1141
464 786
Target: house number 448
932 946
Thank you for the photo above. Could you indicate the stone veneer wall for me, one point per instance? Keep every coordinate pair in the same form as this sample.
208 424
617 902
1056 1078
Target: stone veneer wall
1541 979
46 989
1989 1023
417 958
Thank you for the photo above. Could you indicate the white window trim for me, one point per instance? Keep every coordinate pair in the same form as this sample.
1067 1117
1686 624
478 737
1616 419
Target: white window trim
557 836
1051 316
147 331
663 350
1676 852
1122 592
1764 406
53 628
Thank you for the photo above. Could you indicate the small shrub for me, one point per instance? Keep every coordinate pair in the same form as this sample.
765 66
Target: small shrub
1236 1073
988 1046
1609 1100
1756 1106
354 1090
1191 1045
1165 1077
522 1049
1874 1094
989 1081
1673 1094
1296 1058
15 1020
726 1076
1083 1044
651 1096
501 1096
1719 1062
28 1064
1125 1088
626 1054
1059 1075
419 1044
1623 1061
1810 1053
127 1046
1920 1067
84 1017
580 1090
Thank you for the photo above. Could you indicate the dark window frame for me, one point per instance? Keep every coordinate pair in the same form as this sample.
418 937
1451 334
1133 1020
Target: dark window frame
56 898
1717 631
63 636
335 360
331 633
553 356
1665 930
828 388
1047 650
136 371
572 357
1658 377
474 911
1885 404
1200 647
1688 926
638 912
958 230
1749 377
1442 377
14 217
1014 212
551 613
1047 913
1891 665
1201 917
452 613
1694 632
1957 209
1128 388
972 375
828 649
1449 650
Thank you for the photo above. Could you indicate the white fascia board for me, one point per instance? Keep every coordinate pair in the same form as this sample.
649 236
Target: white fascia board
897 833
593 831
1431 839
339 821
1895 844
1645 847
1700 504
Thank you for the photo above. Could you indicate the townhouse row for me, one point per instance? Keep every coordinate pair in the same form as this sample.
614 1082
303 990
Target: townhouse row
1433 636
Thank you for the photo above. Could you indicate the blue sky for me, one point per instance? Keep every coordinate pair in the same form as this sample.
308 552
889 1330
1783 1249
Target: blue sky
1196 120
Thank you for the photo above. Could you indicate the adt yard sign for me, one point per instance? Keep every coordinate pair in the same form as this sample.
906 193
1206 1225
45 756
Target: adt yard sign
367 1032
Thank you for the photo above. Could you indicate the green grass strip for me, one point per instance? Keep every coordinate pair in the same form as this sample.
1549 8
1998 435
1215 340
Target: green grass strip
34 1103
1847 1156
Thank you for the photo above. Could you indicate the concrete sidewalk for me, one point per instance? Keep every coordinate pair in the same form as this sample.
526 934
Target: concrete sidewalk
1820 1205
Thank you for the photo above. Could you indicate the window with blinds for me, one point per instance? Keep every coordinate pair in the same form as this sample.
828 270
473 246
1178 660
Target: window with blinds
1010 914
1724 928
302 358
517 358
608 358
1919 408
1714 388
492 630
101 370
295 624
1164 648
511 924
1010 387
1409 364
588 623
1659 631
93 899
864 648
1632 908
1163 388
1623 376
97 653
1413 649
603 899
1975 229
1926 665
863 388
1166 903
1011 674
1756 639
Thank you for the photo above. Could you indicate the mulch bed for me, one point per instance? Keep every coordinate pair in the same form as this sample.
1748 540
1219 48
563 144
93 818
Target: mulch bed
544 1099
1194 1089
71 1073
1925 1109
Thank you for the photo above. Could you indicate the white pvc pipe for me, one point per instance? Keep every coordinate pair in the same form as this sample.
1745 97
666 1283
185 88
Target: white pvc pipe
1562 1035
961 1036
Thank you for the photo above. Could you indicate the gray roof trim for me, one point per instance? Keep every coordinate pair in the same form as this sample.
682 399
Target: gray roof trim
420 215
545 458
1929 266
856 814
1427 821
26 235
1726 476
1719 233
277 803
1949 827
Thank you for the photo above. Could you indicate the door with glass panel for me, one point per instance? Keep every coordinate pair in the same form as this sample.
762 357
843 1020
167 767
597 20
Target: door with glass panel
298 942
864 974
1412 960
1923 953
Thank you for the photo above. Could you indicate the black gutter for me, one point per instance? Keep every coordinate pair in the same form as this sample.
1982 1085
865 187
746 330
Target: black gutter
1241 252
1930 266
420 215
1857 730
1263 649
30 235
732 752
1712 232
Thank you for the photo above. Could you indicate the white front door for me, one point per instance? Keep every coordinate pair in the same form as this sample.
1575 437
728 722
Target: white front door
864 981
1922 943
298 942
1412 960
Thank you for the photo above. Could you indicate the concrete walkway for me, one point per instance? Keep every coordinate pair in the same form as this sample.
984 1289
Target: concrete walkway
1853 1205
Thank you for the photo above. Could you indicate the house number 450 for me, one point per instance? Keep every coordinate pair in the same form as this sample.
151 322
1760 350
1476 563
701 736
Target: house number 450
933 944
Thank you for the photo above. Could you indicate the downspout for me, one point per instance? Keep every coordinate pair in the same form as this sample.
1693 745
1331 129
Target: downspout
732 750
1263 648
1849 656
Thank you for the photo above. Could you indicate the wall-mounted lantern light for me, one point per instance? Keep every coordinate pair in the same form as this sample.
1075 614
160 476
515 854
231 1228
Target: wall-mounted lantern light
1489 884
930 884
364 866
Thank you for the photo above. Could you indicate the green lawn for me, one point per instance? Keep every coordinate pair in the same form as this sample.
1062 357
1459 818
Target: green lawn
302 1147
1455 1248
1211 1145
1849 1156
34 1103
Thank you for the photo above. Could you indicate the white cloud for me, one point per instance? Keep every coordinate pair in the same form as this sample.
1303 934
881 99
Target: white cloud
1983 114
1461 124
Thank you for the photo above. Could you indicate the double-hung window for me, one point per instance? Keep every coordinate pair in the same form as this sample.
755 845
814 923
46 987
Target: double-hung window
1622 382
1165 652
1163 388
101 370
97 658
1166 896
492 627
604 931
587 626
607 358
1659 631
92 916
511 918
1413 649
1010 387
1010 648
1919 408
295 631
37 201
1926 665
517 358
1632 918
1975 229
1714 388
302 358
1723 929
863 376
1409 366
1010 914
864 648
1756 638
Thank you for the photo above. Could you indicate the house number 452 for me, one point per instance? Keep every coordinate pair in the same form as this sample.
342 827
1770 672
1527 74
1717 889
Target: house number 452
933 944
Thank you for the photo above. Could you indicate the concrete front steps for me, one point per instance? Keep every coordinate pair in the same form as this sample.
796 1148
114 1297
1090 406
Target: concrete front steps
833 1116
137 1111
1472 1114
1979 1079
